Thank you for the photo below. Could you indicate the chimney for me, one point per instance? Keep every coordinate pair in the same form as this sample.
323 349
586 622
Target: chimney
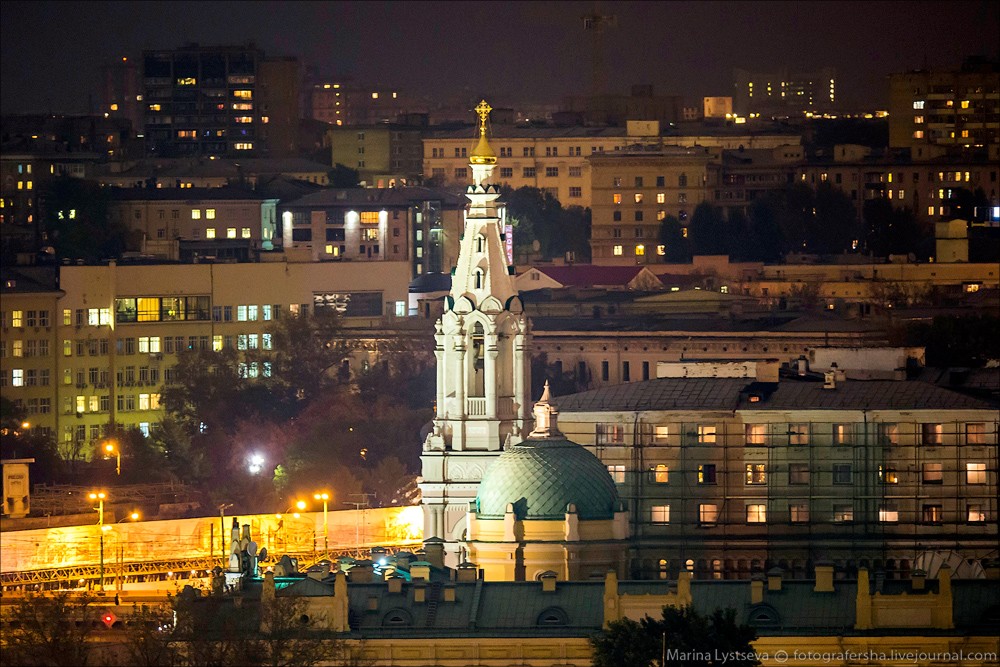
824 578
756 590
395 584
420 570
802 365
467 572
829 380
361 573
838 374
918 580
774 579
449 593
548 582
434 552
419 593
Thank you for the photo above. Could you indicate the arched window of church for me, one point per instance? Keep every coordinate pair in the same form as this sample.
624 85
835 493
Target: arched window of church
478 360
479 278
480 243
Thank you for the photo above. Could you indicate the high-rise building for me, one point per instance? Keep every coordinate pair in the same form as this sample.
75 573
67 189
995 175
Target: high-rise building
946 107
784 92
222 100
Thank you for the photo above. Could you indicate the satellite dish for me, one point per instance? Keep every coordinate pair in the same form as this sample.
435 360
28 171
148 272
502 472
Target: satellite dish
263 554
961 567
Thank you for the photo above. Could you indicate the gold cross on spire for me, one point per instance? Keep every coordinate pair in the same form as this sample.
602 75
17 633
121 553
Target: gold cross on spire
483 111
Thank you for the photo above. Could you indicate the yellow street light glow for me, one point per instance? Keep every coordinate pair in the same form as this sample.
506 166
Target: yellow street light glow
321 496
301 504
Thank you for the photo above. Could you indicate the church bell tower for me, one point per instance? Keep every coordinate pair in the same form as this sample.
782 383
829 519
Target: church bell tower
481 346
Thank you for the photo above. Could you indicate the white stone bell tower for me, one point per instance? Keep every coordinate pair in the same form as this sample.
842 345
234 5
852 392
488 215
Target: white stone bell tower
482 362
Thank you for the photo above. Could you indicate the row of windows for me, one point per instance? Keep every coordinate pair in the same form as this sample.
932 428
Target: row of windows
124 403
25 348
800 473
661 181
930 433
638 197
79 432
25 318
756 513
526 151
162 309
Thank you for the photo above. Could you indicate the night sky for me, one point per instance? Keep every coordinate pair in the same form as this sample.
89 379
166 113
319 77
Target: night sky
508 51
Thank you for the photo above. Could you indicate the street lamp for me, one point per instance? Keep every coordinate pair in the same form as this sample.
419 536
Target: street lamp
325 497
111 449
99 496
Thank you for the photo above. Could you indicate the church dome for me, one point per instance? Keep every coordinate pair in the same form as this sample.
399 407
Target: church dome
541 476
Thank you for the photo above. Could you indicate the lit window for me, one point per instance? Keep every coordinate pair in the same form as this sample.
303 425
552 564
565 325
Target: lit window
888 514
757 513
975 513
932 513
210 233
756 473
17 377
17 318
244 232
933 473
798 512
918 104
640 250
975 473
617 473
210 213
706 435
660 513
888 475
216 343
661 473
230 232
196 214
618 250
798 434
617 198
843 513
708 513
975 433
841 434
756 434
661 432
931 434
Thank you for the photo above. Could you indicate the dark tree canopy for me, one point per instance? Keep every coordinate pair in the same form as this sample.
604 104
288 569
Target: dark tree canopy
77 223
683 636
538 216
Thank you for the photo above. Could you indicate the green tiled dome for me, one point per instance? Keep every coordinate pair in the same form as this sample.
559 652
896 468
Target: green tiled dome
541 476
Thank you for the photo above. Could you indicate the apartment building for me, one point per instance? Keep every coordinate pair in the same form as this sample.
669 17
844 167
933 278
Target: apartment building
415 224
784 92
724 476
198 223
219 100
96 351
925 180
383 155
632 192
952 108
557 160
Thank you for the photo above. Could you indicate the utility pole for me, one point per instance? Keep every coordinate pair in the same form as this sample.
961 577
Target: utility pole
358 507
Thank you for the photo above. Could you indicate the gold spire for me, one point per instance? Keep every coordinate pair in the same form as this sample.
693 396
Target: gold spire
482 153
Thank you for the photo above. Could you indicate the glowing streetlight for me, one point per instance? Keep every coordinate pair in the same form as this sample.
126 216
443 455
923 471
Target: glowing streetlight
111 450
325 497
255 463
100 496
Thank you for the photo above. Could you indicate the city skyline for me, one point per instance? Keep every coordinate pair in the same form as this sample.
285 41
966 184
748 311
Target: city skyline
437 49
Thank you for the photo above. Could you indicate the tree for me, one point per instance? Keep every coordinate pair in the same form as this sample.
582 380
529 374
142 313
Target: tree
149 638
889 230
794 218
342 176
765 242
951 340
682 636
16 442
77 223
51 629
834 227
675 245
538 216
707 231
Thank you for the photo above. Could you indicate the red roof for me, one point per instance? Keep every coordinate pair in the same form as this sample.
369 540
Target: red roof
589 275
